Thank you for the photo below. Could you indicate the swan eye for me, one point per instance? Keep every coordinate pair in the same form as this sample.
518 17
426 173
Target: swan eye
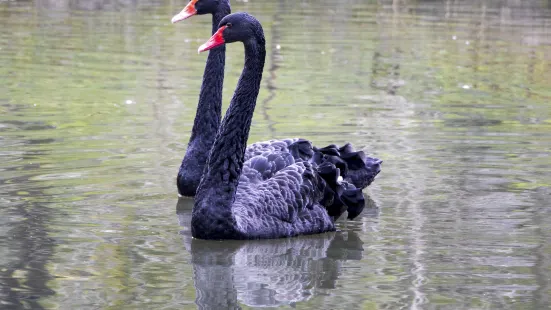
228 25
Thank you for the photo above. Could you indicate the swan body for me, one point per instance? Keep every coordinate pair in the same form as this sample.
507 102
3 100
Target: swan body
278 189
284 205
355 167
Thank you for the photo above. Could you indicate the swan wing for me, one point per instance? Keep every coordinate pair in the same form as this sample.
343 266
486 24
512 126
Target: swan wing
270 146
265 166
355 167
287 204
264 159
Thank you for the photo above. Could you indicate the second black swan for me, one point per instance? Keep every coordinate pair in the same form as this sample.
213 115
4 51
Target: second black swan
234 199
209 108
355 167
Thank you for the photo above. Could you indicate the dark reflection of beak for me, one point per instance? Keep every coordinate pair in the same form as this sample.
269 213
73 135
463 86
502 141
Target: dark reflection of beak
262 273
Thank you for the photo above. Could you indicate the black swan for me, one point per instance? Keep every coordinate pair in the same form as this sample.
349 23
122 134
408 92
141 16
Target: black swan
207 118
355 167
247 200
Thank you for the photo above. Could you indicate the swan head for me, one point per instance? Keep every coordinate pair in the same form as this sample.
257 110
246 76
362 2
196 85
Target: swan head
236 27
201 7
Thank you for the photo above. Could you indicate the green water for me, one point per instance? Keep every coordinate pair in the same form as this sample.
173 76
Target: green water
97 99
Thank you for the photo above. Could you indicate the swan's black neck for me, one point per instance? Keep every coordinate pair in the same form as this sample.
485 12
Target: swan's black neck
207 117
217 189
209 109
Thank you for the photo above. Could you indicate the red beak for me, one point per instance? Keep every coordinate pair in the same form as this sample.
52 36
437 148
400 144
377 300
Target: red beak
214 41
187 12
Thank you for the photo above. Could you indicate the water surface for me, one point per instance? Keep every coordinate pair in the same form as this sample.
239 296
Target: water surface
96 105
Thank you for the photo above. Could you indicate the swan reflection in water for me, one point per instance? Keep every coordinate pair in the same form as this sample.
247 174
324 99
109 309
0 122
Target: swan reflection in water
270 272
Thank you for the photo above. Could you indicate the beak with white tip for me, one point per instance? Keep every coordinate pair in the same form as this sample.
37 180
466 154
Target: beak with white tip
187 12
214 41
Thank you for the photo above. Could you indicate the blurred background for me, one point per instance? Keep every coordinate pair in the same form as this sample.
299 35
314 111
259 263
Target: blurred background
97 100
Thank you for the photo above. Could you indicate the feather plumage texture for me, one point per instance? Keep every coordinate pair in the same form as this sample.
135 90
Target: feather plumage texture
355 167
278 189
